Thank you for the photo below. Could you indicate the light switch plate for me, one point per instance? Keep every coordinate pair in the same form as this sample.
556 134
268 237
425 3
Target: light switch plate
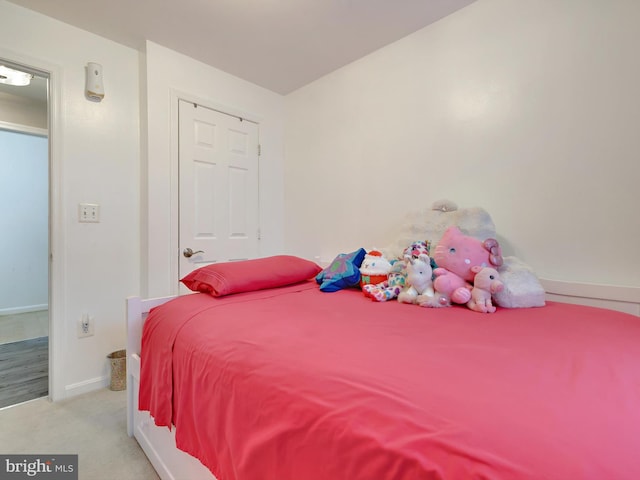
88 213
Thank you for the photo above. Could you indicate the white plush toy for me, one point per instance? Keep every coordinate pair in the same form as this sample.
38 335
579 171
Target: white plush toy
522 289
419 279
431 223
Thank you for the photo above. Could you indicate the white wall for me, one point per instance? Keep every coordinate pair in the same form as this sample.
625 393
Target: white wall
22 110
168 72
95 159
24 222
528 109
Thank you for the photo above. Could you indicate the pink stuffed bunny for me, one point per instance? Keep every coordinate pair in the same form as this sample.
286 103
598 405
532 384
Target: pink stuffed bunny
455 256
486 283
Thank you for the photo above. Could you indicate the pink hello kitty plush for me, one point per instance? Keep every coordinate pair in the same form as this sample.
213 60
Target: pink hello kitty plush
455 256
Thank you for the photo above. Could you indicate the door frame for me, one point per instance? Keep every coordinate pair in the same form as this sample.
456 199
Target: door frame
57 327
174 148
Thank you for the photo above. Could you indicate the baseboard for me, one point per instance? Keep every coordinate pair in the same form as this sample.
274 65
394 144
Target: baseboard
614 297
86 386
24 309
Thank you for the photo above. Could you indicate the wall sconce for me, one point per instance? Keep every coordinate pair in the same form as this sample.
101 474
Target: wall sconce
94 85
17 78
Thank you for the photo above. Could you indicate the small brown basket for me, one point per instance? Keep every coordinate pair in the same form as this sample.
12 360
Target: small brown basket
118 361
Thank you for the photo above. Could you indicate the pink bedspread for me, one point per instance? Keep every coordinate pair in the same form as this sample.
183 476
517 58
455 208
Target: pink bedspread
296 384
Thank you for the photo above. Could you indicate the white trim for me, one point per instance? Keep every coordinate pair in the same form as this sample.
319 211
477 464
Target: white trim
17 127
592 290
23 309
213 105
57 327
615 297
57 264
22 403
174 209
87 386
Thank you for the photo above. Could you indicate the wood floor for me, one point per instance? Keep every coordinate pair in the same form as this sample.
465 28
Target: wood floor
24 370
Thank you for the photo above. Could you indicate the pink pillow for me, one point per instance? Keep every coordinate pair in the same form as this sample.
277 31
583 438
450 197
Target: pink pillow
220 279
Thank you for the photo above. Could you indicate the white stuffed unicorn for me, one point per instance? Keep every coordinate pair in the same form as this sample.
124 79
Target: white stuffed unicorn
419 279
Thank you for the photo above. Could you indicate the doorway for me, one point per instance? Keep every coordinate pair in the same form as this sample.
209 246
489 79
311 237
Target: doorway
218 187
24 243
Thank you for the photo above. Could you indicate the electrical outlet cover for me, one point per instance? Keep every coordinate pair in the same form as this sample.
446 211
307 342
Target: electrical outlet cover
85 326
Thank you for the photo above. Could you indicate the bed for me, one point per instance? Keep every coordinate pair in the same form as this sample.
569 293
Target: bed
292 383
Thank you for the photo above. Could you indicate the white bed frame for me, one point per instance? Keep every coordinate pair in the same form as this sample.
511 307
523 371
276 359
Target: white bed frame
158 443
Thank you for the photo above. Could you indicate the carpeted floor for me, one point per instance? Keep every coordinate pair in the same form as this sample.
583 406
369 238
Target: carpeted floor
93 426
24 370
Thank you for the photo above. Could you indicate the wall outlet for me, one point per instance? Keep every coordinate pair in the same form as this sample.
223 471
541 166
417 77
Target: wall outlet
85 326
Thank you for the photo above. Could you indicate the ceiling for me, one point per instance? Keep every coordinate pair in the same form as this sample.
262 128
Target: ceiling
280 45
36 91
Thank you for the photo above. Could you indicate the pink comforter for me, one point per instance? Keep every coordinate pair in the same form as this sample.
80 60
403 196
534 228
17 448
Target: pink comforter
296 384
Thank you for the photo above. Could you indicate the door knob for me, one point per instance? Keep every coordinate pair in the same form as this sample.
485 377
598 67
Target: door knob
187 252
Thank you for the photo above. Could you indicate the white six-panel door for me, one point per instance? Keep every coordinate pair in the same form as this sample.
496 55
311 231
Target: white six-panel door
218 187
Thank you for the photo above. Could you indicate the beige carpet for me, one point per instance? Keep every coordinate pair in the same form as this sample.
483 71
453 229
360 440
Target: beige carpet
92 425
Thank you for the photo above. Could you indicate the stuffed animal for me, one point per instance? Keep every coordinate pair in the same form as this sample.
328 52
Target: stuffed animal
452 287
522 289
419 279
343 272
455 255
432 222
485 284
375 269
428 297
397 278
416 249
391 288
